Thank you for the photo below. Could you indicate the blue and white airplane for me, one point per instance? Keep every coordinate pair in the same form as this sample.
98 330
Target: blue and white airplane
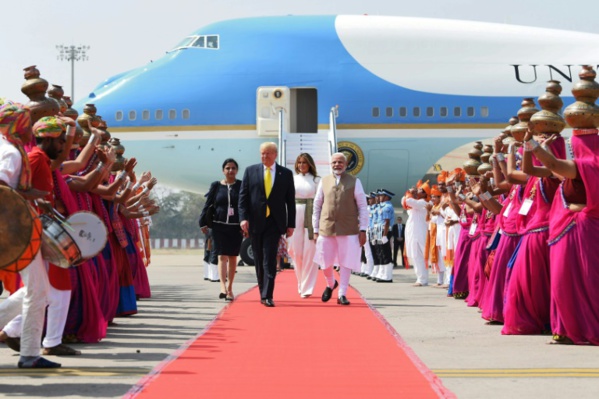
399 93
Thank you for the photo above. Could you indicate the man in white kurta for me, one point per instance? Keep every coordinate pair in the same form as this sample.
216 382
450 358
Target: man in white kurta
417 231
340 221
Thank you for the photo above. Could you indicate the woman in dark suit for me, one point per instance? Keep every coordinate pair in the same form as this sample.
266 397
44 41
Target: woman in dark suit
226 233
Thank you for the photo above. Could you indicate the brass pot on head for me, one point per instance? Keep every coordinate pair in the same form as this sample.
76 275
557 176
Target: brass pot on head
35 88
103 127
70 112
485 166
88 115
56 92
548 121
524 114
583 113
471 165
119 150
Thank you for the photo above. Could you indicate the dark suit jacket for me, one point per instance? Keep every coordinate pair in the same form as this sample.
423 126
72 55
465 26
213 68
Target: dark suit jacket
395 231
252 199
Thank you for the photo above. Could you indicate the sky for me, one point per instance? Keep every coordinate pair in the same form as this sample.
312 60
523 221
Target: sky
124 34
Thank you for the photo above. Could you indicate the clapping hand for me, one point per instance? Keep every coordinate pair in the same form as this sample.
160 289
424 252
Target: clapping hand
498 141
153 181
145 176
130 164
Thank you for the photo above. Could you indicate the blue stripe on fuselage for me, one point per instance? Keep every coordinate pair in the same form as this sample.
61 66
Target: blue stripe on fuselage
218 87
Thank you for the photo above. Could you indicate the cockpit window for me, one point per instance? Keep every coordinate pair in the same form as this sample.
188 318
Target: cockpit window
185 42
212 41
199 41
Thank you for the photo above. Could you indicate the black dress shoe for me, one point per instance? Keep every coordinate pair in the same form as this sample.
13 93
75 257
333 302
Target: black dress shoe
269 303
262 301
384 281
222 296
342 300
326 295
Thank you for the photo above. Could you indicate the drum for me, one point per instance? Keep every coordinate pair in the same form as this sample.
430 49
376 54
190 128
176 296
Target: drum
90 233
20 231
58 245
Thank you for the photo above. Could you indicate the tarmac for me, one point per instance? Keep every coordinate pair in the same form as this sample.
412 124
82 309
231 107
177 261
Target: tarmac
472 359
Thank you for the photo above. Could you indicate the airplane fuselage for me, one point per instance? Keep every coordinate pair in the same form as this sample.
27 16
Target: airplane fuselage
408 90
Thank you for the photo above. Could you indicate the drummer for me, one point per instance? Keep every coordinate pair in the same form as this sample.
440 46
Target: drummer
31 301
50 138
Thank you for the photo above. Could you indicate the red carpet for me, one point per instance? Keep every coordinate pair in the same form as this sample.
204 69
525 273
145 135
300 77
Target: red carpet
302 348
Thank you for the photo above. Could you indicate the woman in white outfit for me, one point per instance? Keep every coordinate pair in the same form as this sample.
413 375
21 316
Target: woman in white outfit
302 244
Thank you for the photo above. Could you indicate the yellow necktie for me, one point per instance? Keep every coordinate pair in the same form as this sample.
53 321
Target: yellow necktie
267 187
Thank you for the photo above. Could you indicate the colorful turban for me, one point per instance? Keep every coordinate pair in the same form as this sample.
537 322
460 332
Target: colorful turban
435 191
49 126
459 173
14 118
442 177
4 101
426 188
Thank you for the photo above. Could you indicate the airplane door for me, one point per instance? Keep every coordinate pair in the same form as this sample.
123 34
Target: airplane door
304 110
269 100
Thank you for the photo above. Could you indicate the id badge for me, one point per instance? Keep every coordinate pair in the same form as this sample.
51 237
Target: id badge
464 220
231 211
525 208
507 210
472 230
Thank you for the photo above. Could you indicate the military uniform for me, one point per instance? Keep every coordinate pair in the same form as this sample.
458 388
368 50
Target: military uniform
385 219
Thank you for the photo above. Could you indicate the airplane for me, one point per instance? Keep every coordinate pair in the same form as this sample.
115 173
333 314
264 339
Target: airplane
395 94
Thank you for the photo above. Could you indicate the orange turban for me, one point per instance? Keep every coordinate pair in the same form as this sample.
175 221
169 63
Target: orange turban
459 173
435 191
426 188
442 177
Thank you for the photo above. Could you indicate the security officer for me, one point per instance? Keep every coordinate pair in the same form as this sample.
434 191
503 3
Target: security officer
386 215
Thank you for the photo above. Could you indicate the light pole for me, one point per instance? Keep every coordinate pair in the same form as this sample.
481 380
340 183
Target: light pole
72 53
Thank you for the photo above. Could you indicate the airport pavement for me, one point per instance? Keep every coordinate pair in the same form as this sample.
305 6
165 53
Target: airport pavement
473 359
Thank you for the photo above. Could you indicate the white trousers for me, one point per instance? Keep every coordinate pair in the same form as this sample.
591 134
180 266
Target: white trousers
301 250
369 259
344 275
58 310
441 266
31 302
419 265
338 250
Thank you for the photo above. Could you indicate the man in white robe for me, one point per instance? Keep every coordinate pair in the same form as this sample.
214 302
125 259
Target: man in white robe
417 231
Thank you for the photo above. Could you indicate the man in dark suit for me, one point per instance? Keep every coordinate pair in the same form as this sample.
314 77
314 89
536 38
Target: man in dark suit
399 235
266 211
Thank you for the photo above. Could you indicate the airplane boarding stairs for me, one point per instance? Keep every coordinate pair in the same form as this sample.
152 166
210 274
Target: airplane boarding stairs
321 146
315 144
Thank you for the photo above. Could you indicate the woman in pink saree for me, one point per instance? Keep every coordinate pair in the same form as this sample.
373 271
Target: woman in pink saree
527 296
573 235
